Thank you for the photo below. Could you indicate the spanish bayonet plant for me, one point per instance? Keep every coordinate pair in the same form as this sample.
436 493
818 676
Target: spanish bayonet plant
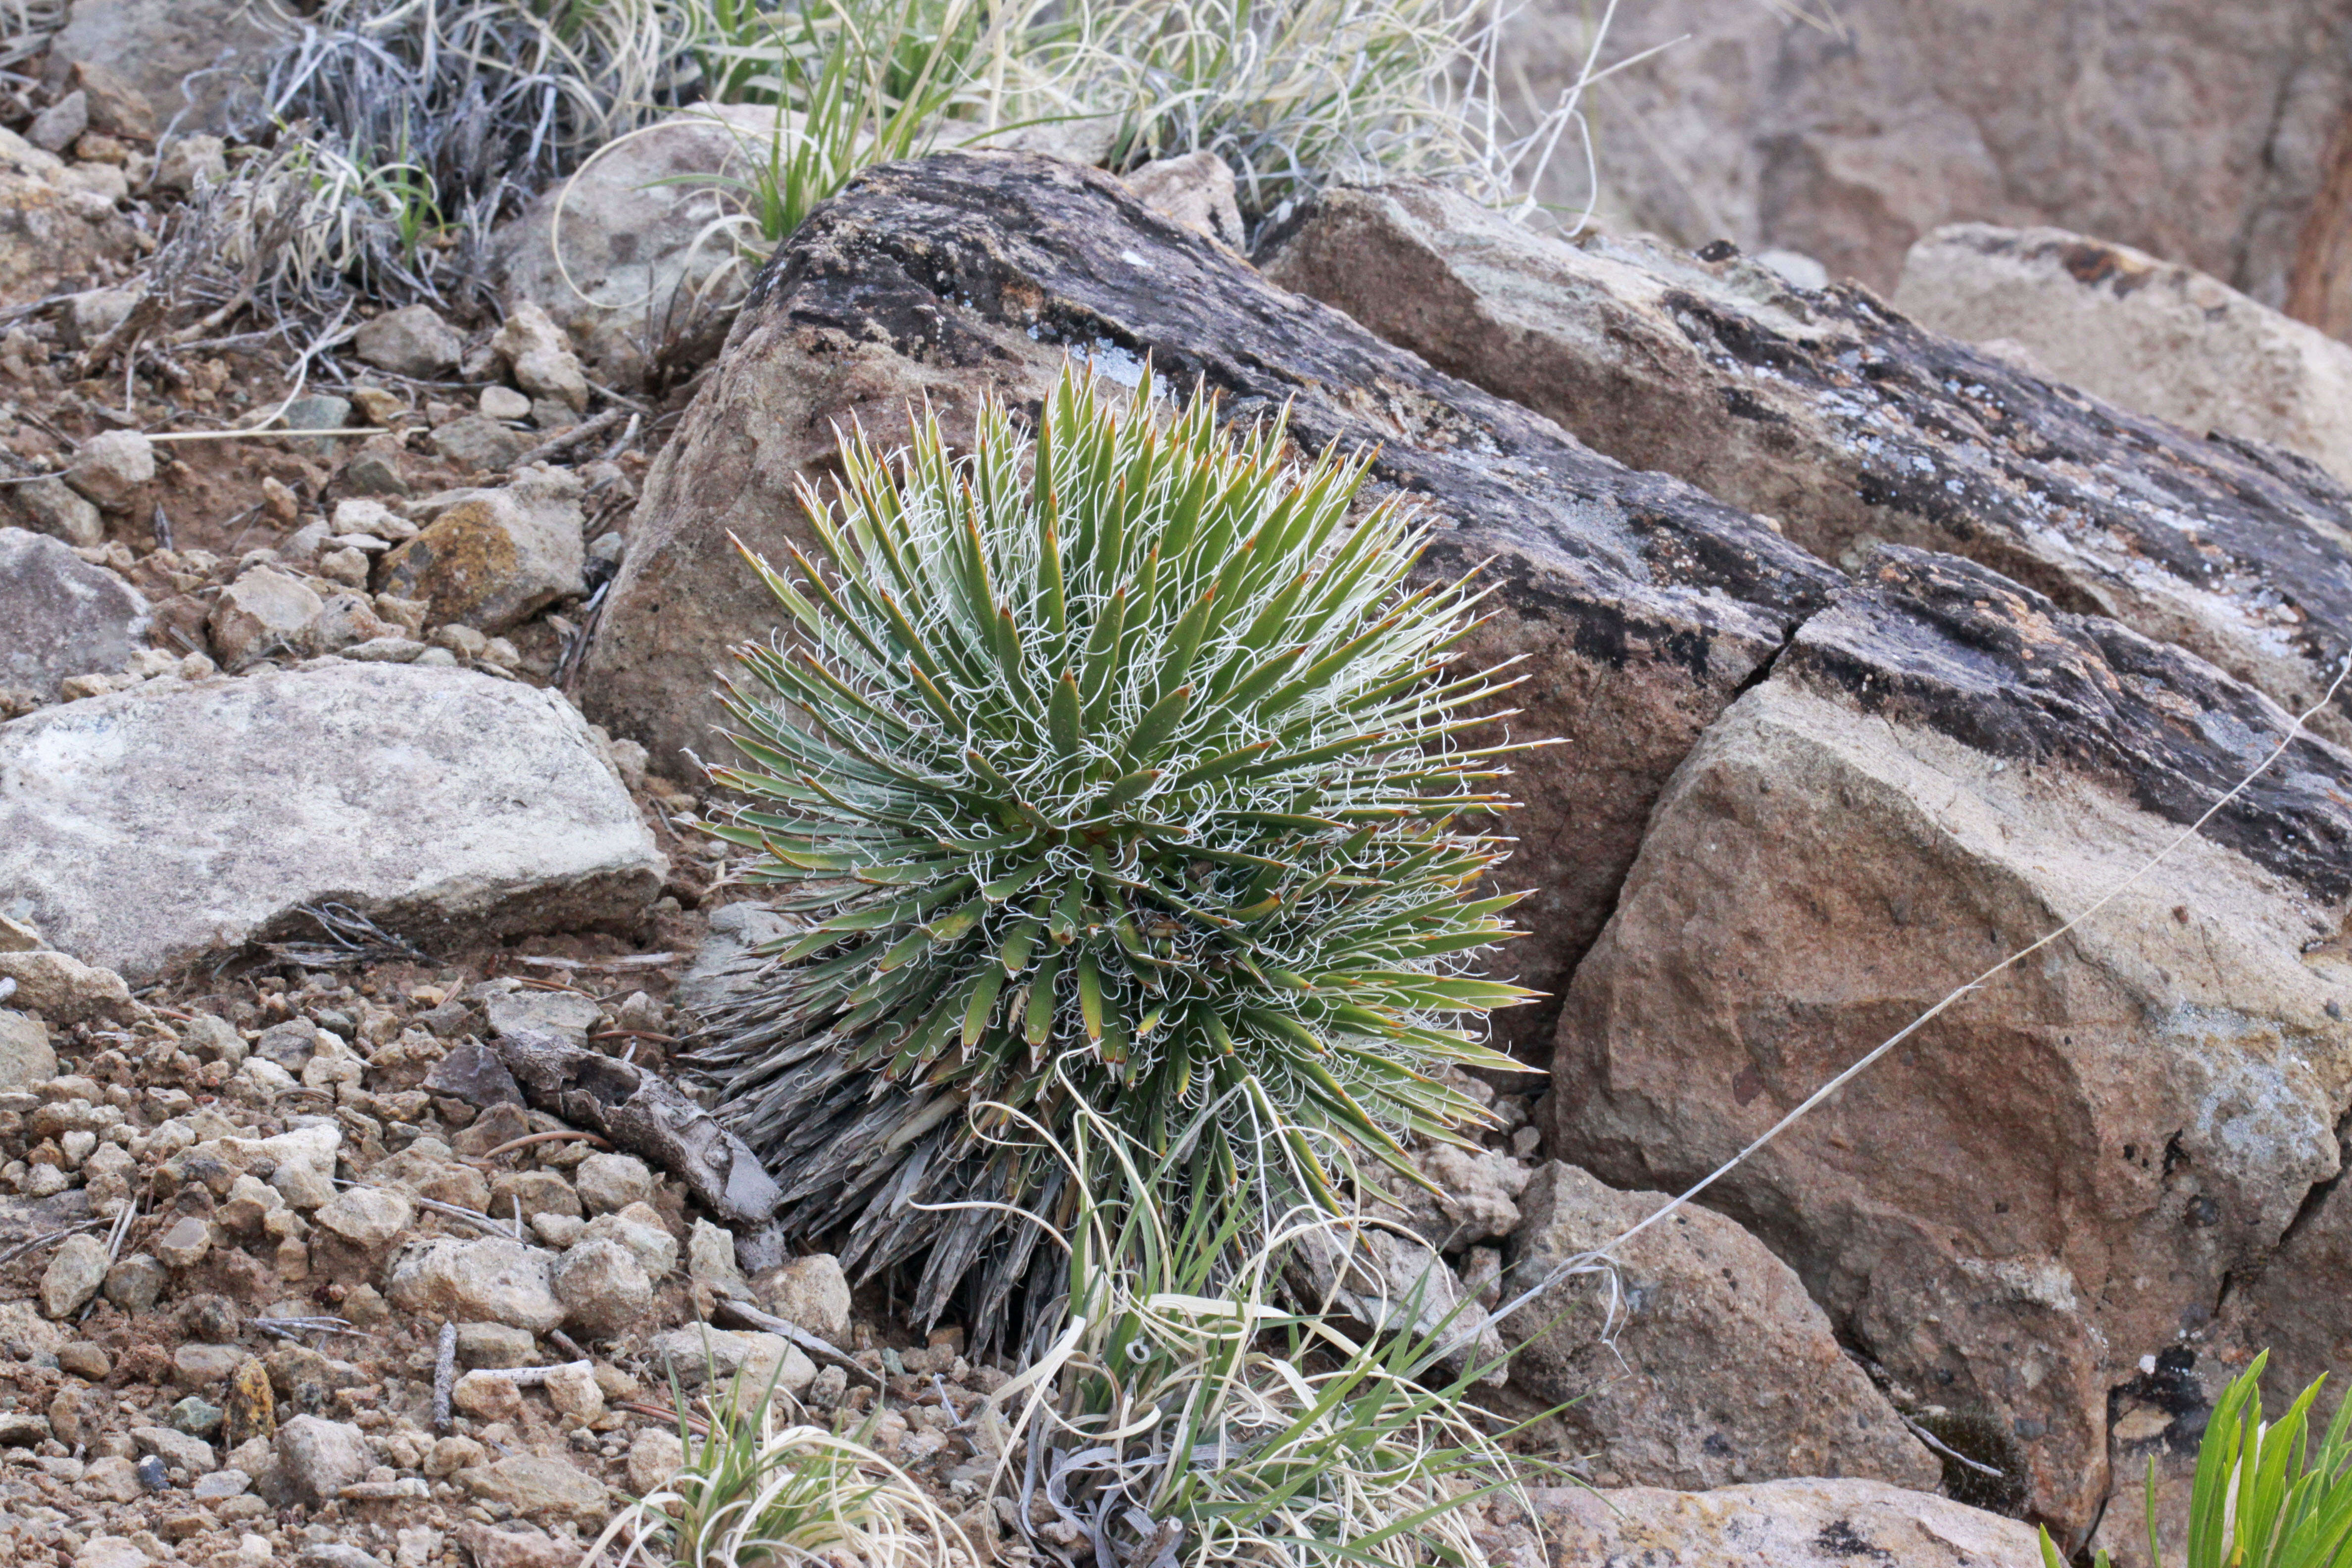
1119 768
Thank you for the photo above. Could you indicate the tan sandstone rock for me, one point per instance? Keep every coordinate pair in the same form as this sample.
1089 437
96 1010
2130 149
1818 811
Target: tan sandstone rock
2055 1178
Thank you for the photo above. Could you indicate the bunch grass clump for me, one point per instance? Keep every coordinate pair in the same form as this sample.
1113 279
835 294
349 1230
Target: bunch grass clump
754 1494
1121 770
1171 1412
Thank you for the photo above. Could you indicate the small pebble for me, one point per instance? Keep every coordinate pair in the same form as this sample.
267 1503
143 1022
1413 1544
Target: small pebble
150 1471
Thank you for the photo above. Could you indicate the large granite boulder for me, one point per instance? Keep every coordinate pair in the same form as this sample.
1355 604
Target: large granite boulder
1849 425
2146 334
1640 604
59 615
2060 1175
150 827
1846 130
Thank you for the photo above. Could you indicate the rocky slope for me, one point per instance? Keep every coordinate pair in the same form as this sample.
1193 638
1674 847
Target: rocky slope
351 905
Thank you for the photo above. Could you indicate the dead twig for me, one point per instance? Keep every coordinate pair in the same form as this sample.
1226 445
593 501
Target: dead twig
445 1376
557 1136
565 440
819 1350
628 961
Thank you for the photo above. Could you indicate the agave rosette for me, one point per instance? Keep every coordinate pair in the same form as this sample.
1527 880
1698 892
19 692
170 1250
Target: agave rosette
1121 766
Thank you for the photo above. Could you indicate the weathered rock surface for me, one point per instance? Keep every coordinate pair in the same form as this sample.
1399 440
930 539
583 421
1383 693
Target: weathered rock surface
1693 1297
51 235
2056 1178
1850 426
1847 134
622 257
150 827
159 46
1781 1524
1645 602
497 555
59 615
2146 334
485 1279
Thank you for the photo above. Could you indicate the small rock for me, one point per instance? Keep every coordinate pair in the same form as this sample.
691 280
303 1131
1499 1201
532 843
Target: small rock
183 1243
516 1548
710 1258
60 125
86 1359
116 106
112 466
479 444
539 357
94 312
564 1014
25 1055
74 1274
604 1287
264 613
220 1486
198 1417
694 1355
22 1429
640 1229
557 1230
504 402
1196 191
811 1292
654 1455
59 615
451 1455
61 989
153 1473
136 1283
574 1393
608 1182
538 1488
301 1186
376 469
488 1396
338 1554
532 1193
111 1551
496 556
487 1279
204 1366
191 163
112 1480
495 1346
52 507
177 1449
319 1457
367 1218
412 342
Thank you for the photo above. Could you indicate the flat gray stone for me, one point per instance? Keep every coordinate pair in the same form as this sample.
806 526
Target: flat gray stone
149 827
59 615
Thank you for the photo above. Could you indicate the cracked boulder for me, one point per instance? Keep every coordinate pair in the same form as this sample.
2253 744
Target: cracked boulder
1642 603
1849 425
2058 1176
147 828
